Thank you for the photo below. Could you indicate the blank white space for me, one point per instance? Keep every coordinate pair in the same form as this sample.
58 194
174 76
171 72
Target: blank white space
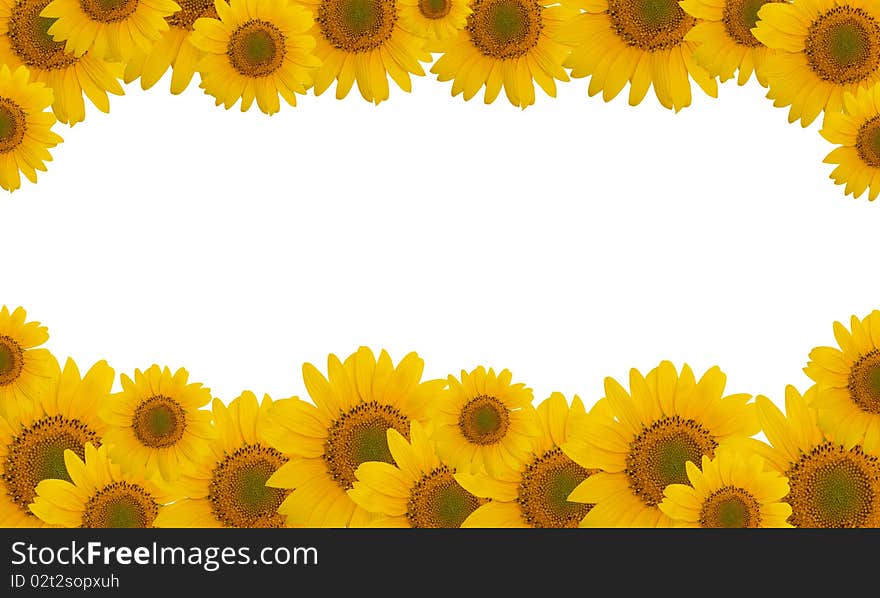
567 242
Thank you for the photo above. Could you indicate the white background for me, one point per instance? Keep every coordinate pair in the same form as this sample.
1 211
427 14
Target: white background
567 242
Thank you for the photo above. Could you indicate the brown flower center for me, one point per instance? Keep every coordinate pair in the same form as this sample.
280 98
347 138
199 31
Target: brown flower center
256 49
543 492
120 504
843 45
437 500
238 492
730 507
484 420
30 39
504 29
650 25
357 25
159 422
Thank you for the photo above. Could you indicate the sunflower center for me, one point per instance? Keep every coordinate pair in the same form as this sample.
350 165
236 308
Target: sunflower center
864 377
11 354
437 500
435 9
190 11
357 25
159 422
834 487
360 435
543 492
256 49
843 45
868 142
658 455
740 17
30 40
120 504
504 29
730 507
109 11
650 25
13 125
484 420
238 492
37 453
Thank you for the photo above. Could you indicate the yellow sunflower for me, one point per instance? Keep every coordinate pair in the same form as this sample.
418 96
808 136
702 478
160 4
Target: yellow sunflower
434 20
174 49
857 131
723 34
114 30
33 441
824 49
510 44
483 423
24 41
534 493
733 490
416 489
641 441
25 371
848 379
156 423
831 484
25 127
226 486
354 407
645 43
363 41
256 50
98 495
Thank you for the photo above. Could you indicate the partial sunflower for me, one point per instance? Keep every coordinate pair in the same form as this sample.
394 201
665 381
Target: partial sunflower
174 49
642 42
434 20
857 132
416 490
364 41
226 485
157 422
510 44
733 490
25 127
98 495
824 48
483 423
725 42
642 441
256 50
33 441
24 40
354 407
113 30
848 380
534 492
25 370
832 484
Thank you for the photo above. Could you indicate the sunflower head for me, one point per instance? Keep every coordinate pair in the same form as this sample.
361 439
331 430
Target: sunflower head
25 370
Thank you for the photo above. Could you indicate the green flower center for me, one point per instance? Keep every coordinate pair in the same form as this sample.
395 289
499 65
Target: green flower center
484 420
730 507
238 492
159 422
649 24
357 25
120 505
544 488
437 500
256 49
843 45
503 29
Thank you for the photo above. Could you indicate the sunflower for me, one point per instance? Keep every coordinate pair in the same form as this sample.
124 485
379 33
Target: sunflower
33 441
174 49
114 30
363 41
723 34
857 131
226 487
848 379
509 43
832 484
416 490
484 423
824 48
731 490
534 492
642 42
25 371
258 49
641 441
434 20
25 127
156 422
24 41
98 495
355 406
